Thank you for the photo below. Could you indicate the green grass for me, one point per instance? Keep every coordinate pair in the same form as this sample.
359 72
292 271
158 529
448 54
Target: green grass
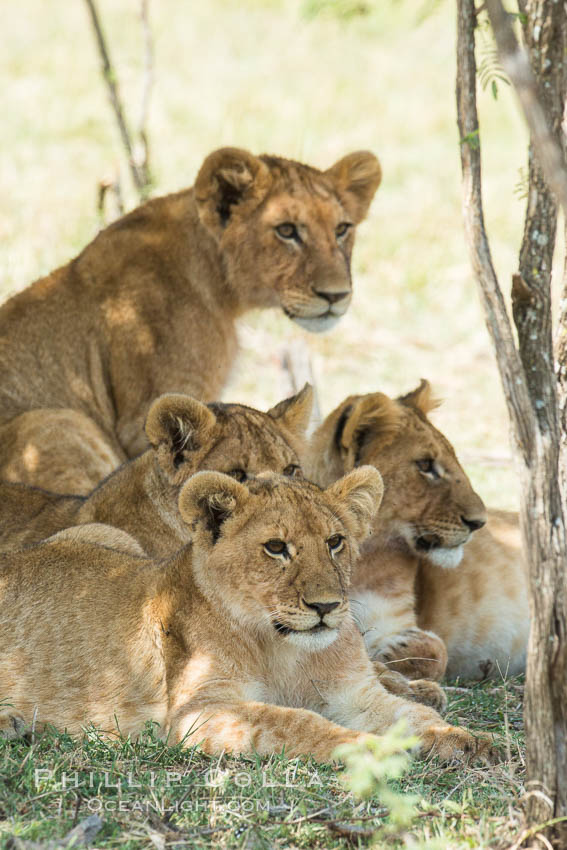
149 794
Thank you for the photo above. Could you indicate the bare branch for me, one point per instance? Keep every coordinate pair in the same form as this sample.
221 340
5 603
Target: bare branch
516 63
296 360
147 85
109 75
496 316
104 187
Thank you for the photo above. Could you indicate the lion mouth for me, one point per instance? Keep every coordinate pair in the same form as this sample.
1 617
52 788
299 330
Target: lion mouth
326 315
430 546
317 324
287 630
426 542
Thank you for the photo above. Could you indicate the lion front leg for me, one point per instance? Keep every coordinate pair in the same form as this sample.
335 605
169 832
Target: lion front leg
419 690
351 695
391 634
365 705
245 727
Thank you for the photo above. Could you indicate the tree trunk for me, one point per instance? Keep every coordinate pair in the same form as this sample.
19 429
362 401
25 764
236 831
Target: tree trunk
561 335
546 686
529 383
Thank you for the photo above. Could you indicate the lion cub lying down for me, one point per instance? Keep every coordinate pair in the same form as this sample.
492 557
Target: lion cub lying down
141 496
416 592
242 641
135 508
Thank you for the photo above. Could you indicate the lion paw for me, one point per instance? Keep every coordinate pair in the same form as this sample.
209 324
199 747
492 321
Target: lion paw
455 742
415 654
420 690
428 693
13 726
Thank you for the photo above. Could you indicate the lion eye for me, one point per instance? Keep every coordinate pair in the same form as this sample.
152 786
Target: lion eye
342 229
287 230
293 471
427 467
276 547
335 543
239 474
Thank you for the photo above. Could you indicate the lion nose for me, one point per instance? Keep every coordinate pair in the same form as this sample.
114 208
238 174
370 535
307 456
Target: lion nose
331 297
473 524
322 608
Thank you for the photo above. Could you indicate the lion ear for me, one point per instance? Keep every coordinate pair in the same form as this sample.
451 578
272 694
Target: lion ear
294 413
177 426
370 417
356 176
211 498
422 398
360 492
228 177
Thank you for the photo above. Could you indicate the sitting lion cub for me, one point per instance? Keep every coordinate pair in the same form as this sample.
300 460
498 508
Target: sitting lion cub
423 586
242 641
150 306
141 496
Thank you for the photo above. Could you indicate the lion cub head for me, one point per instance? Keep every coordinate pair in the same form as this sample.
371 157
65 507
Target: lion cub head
277 552
187 435
286 230
429 505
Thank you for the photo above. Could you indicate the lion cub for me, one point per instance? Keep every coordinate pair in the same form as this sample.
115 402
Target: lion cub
141 496
151 305
242 641
423 586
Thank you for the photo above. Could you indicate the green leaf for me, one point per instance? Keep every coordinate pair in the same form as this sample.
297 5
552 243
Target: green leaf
472 139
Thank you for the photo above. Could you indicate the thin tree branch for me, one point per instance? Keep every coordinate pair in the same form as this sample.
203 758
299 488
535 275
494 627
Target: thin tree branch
516 63
104 187
296 360
495 313
147 85
110 78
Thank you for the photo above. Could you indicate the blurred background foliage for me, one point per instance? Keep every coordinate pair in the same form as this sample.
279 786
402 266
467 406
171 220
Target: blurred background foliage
306 79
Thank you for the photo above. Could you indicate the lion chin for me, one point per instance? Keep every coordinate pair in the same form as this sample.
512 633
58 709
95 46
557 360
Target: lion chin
447 557
318 324
311 640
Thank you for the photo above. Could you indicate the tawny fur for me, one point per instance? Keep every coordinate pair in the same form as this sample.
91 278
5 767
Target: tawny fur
150 306
141 496
417 616
481 609
135 508
228 643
